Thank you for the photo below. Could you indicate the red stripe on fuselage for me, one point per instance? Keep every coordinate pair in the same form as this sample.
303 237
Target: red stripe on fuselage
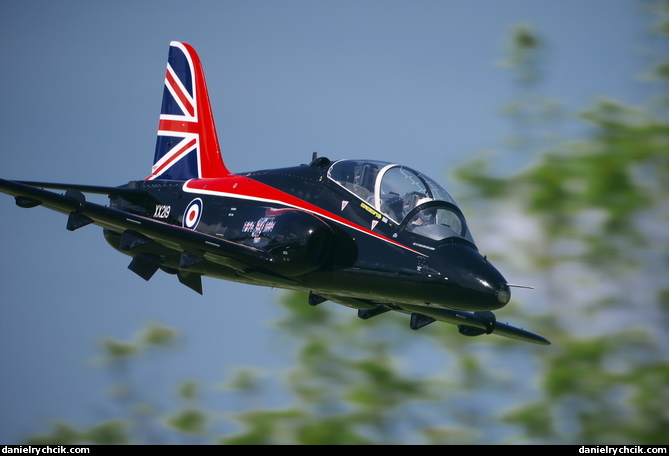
241 187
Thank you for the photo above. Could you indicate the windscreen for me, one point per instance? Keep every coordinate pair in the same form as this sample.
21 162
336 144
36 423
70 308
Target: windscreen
396 191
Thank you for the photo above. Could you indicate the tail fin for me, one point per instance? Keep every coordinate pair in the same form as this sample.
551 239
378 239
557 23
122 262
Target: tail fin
187 145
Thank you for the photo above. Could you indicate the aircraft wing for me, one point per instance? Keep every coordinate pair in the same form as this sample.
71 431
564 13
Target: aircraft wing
81 213
468 319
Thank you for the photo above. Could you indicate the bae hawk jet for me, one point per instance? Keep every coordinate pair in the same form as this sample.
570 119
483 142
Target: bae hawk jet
366 234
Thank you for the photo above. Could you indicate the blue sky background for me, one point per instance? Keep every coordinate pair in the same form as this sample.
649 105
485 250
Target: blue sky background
415 82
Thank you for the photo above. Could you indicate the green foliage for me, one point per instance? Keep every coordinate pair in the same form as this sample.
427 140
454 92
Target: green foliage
600 202
524 52
189 421
266 427
343 380
107 433
158 336
606 389
153 336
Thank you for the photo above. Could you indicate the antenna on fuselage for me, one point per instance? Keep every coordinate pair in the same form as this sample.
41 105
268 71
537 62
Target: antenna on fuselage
314 156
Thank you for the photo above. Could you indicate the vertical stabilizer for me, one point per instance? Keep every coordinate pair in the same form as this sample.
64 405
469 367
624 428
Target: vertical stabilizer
187 145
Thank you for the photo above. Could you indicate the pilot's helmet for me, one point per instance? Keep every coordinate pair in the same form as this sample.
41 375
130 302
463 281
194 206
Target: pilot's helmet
428 216
413 199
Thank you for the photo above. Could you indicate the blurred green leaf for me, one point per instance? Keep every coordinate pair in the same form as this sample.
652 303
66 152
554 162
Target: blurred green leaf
535 418
119 350
245 380
61 434
265 427
188 421
188 390
331 431
158 335
109 433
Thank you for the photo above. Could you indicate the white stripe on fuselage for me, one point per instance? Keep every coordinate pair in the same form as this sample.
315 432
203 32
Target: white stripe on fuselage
283 203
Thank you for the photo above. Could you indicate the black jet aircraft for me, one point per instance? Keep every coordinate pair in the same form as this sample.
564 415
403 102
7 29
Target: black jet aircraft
365 234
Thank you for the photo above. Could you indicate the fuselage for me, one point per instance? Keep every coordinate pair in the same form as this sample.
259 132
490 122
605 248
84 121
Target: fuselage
324 238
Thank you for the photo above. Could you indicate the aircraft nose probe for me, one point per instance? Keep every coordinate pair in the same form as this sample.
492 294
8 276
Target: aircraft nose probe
504 295
519 286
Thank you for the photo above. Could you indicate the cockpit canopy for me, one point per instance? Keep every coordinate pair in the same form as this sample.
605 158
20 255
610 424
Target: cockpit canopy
411 199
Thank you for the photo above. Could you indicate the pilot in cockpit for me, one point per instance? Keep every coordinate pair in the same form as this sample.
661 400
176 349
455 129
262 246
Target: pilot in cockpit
413 199
364 180
424 221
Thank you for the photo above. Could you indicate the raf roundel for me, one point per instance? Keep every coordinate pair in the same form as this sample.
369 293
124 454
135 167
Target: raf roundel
192 214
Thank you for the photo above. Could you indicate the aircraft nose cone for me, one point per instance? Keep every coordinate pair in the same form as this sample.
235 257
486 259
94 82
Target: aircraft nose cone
489 286
477 284
504 295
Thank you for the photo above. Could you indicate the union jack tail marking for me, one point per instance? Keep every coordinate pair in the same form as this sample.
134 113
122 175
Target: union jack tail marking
187 145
